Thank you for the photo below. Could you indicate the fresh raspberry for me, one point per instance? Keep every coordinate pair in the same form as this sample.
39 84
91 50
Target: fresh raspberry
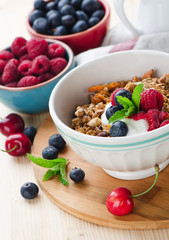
25 68
113 95
1 82
11 84
10 73
56 50
25 57
18 47
36 47
151 99
2 65
6 55
45 77
57 65
40 65
138 116
153 119
163 116
165 122
28 81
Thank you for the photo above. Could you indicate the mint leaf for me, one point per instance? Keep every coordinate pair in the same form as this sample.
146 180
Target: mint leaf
46 163
49 174
136 96
118 115
62 174
131 110
125 102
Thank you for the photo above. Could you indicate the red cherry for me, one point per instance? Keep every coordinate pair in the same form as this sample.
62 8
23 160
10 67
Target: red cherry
119 201
13 123
18 144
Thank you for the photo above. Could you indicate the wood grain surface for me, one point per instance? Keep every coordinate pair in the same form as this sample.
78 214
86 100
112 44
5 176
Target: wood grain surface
86 200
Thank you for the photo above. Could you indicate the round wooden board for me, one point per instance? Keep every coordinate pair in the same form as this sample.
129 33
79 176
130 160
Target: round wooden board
86 200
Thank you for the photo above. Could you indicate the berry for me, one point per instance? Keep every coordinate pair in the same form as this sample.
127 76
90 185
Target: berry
68 21
45 77
57 141
165 122
67 10
12 123
113 95
98 13
90 6
56 50
11 84
122 93
10 73
35 14
25 57
80 15
119 201
17 144
76 4
103 134
163 116
29 190
18 47
37 47
77 175
50 152
54 19
111 111
138 116
40 65
25 68
118 129
61 3
41 25
60 31
2 65
151 99
93 21
40 4
51 12
57 65
51 5
28 81
153 119
6 55
30 132
79 26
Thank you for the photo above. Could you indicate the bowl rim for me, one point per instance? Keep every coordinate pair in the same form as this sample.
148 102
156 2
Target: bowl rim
70 36
162 131
70 54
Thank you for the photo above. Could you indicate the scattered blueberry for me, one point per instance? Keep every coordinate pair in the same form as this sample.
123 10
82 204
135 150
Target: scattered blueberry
90 6
76 4
98 13
51 5
67 10
111 111
54 19
68 21
40 25
79 26
35 14
29 190
30 132
77 175
118 129
50 152
123 93
93 21
57 141
39 4
80 15
60 30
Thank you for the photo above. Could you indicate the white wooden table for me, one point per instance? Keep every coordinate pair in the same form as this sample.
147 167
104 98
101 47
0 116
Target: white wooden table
40 219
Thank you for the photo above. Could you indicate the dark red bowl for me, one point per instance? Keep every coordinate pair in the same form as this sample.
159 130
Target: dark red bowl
80 42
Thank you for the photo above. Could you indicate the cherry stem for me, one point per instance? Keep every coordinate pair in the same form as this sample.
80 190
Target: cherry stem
157 172
10 149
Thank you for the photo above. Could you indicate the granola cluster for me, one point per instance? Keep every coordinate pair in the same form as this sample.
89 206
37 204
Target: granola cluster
88 117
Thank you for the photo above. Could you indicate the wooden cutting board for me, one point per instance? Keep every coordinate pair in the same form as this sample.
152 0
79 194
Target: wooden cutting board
86 200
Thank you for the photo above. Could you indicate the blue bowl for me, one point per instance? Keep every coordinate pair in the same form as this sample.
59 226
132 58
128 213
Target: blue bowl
35 99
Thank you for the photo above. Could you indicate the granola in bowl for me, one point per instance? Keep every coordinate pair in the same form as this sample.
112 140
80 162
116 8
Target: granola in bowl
88 117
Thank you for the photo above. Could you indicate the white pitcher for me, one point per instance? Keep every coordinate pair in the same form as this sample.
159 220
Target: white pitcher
152 16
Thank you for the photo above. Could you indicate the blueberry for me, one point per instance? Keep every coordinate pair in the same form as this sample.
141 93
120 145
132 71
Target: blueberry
93 21
77 175
90 6
61 3
50 152
111 111
29 190
35 14
68 21
99 14
79 26
51 12
39 4
80 15
30 132
51 5
54 20
60 31
67 10
118 129
49 32
123 93
57 141
76 4
40 25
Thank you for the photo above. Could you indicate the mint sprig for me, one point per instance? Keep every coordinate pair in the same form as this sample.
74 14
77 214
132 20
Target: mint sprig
129 106
56 166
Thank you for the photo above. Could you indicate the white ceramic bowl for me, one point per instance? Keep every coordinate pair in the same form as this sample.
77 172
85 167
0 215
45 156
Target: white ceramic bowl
132 157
